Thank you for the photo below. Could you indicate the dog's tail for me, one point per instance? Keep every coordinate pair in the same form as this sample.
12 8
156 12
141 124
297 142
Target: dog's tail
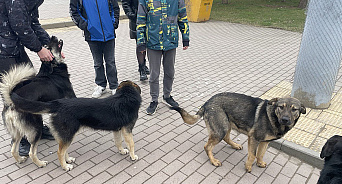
34 107
9 80
187 118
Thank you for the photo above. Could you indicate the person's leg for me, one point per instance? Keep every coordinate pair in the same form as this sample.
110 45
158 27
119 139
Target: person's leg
109 56
96 49
154 57
142 64
169 71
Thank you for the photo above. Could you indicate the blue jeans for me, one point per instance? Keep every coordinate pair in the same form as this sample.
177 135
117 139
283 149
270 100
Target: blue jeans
105 50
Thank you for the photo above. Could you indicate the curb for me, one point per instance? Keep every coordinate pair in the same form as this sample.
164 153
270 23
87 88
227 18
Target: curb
304 154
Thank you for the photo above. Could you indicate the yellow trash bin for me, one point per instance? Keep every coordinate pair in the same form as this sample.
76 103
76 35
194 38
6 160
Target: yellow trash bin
198 10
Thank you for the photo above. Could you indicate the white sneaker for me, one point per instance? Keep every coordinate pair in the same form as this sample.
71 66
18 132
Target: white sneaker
113 91
98 91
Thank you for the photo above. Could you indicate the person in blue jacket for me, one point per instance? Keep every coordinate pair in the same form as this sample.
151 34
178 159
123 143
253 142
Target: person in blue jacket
99 19
158 22
20 28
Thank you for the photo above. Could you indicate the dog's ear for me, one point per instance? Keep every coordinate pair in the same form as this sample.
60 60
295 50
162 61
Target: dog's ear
302 109
273 101
328 148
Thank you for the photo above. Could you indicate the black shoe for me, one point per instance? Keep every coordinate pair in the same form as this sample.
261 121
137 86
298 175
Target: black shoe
46 134
170 101
142 73
152 108
147 70
24 147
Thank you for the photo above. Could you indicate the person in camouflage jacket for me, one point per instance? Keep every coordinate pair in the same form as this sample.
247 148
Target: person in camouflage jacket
158 22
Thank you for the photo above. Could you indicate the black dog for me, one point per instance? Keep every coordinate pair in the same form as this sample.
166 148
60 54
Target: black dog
51 83
116 113
332 154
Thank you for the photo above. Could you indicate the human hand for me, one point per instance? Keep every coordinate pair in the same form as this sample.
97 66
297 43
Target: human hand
142 52
62 54
45 55
185 47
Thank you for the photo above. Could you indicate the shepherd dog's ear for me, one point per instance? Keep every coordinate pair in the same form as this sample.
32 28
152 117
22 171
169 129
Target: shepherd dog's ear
302 109
273 101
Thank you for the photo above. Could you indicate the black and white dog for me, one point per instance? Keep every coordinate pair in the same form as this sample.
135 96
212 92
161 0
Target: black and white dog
51 83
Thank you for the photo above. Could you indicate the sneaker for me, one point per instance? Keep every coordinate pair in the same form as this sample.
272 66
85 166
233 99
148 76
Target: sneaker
147 70
113 91
46 134
152 108
24 147
98 91
170 101
142 73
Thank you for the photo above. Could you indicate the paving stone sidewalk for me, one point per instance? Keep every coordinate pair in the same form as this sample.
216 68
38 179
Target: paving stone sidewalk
222 57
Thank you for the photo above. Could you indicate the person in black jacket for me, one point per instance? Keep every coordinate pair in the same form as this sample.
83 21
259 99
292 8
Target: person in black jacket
99 19
131 8
20 28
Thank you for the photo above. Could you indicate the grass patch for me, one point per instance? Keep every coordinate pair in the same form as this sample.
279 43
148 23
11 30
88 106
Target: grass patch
263 13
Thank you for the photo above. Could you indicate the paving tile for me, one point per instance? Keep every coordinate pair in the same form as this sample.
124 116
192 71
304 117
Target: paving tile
298 179
81 178
273 169
212 178
289 169
230 179
264 178
176 178
194 178
101 178
158 178
61 179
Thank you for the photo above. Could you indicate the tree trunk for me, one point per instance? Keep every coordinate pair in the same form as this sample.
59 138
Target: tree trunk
320 54
224 1
303 4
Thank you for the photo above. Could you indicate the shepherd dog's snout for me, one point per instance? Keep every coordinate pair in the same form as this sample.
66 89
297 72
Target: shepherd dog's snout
285 120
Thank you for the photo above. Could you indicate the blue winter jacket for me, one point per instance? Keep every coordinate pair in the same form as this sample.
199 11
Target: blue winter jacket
97 18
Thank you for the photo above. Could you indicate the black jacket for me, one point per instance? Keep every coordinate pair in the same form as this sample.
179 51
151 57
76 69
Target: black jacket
95 20
20 26
131 8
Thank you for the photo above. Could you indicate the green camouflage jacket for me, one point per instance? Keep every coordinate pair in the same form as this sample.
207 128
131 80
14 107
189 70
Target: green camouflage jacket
158 22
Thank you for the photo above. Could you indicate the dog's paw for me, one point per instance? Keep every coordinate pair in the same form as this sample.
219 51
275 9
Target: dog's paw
238 147
22 159
248 168
135 157
124 151
216 162
68 167
261 164
42 164
70 160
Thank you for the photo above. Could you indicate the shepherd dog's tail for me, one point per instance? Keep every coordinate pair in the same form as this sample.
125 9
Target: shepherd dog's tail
34 107
9 80
187 118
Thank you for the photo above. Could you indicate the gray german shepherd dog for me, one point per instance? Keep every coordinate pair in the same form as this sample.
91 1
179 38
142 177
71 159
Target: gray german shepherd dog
261 120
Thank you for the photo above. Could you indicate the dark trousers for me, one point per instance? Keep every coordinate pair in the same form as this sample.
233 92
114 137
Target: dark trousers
106 51
7 63
167 58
